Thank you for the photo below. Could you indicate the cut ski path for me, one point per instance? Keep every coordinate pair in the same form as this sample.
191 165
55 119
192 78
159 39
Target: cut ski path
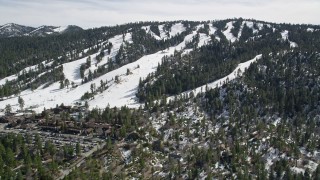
240 68
118 94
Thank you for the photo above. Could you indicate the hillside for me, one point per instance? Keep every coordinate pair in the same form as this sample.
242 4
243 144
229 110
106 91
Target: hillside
16 30
102 54
235 98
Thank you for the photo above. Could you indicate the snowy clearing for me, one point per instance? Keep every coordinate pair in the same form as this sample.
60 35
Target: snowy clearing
227 33
177 29
60 29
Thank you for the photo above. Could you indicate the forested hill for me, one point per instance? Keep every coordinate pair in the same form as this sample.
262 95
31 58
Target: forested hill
228 99
153 60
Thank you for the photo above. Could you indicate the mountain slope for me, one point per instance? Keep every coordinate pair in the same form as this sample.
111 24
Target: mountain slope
12 30
16 30
229 99
179 57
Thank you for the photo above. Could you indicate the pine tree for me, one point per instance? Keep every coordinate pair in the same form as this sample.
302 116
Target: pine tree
8 109
61 84
78 149
67 82
21 103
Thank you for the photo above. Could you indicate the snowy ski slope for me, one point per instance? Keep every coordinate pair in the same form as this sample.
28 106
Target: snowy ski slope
123 92
118 94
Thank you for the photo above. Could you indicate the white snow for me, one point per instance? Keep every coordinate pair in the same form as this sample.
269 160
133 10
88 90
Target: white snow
174 30
27 69
240 30
312 166
148 31
274 29
212 31
177 29
277 121
227 33
236 73
6 25
293 44
116 95
146 28
126 155
71 70
128 38
250 24
9 78
124 93
271 156
60 29
163 33
260 26
285 36
187 39
297 170
310 29
203 39
186 51
35 30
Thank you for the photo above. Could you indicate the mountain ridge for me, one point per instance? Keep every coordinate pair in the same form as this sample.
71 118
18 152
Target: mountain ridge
134 42
16 30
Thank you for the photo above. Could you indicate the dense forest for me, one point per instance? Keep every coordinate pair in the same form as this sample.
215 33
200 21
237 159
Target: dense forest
182 72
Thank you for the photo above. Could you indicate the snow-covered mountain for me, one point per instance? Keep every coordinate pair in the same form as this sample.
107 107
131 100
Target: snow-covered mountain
123 81
229 99
16 30
12 30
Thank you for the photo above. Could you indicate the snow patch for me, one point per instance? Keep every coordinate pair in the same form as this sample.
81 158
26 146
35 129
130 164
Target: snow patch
310 29
9 78
163 33
250 25
285 36
177 29
297 170
27 69
126 155
227 33
60 29
203 39
212 31
276 122
148 31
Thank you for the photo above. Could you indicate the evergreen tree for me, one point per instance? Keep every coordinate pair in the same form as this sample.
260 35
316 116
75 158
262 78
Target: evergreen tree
21 103
8 109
